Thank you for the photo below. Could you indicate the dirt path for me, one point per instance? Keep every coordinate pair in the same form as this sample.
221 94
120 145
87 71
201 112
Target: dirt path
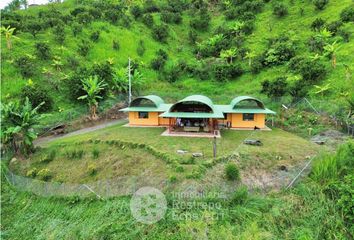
44 140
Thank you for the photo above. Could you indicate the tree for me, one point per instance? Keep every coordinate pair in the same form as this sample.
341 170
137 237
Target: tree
320 4
37 95
43 50
8 32
276 88
93 88
280 9
250 55
330 51
228 54
18 121
33 27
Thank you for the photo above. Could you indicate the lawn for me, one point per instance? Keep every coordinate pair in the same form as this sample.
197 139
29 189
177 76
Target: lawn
120 151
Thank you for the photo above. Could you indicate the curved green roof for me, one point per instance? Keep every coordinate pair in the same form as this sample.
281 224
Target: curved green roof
239 99
156 100
197 98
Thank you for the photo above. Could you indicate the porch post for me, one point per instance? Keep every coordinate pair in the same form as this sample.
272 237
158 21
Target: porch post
169 125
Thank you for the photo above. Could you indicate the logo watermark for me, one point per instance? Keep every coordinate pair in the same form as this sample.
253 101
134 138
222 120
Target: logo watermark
148 205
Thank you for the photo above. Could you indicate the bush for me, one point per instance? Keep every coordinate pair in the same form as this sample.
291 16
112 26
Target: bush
171 17
148 20
257 65
83 48
112 15
84 18
92 169
49 157
32 172
280 9
192 36
72 62
43 50
150 6
200 22
95 153
312 71
76 28
179 169
74 154
318 24
334 26
276 88
26 66
115 45
136 11
158 63
59 32
33 27
172 179
95 36
160 33
45 174
232 172
141 48
279 50
347 15
320 4
224 72
240 196
36 94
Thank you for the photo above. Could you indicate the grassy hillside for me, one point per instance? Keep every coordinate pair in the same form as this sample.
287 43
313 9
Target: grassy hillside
181 74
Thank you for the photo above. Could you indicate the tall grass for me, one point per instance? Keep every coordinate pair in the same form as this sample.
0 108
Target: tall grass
332 166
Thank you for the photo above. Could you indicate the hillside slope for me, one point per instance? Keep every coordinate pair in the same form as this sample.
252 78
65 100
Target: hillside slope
190 67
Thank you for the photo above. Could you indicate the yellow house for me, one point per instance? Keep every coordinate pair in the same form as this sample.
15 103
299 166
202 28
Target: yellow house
197 113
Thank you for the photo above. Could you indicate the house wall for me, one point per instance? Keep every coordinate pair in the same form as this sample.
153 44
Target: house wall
163 121
152 120
237 121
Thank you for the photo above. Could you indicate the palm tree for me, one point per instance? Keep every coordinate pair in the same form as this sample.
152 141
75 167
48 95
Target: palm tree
8 31
250 55
18 121
330 51
93 88
228 54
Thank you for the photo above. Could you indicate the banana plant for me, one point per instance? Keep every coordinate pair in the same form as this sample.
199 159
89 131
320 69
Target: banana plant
322 89
250 55
228 54
93 88
9 34
330 51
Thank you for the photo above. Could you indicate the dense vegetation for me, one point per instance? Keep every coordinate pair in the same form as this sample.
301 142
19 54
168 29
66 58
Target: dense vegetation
178 47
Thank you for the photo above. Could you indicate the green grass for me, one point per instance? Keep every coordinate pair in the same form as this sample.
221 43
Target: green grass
279 148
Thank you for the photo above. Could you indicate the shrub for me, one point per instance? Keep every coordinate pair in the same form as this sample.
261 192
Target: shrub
232 172
72 62
83 48
104 72
84 18
256 65
200 22
36 94
280 9
74 154
171 17
172 74
158 63
344 34
59 33
26 66
160 33
76 28
179 169
347 15
95 36
112 15
92 169
320 4
33 27
150 6
312 71
240 196
276 88
45 174
192 36
279 50
136 11
141 48
334 26
49 157
316 43
318 24
224 72
43 50
148 20
32 172
115 45
172 179
95 153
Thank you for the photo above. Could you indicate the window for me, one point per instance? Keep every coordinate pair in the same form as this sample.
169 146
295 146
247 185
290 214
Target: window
248 117
143 115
